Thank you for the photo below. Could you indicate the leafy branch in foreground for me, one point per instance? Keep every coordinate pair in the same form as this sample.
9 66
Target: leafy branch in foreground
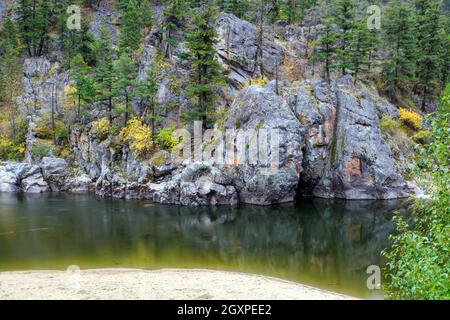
418 264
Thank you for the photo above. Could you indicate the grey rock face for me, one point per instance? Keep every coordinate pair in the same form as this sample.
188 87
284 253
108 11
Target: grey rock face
202 184
80 184
50 175
55 172
32 181
199 184
238 48
360 163
8 178
43 82
105 13
261 109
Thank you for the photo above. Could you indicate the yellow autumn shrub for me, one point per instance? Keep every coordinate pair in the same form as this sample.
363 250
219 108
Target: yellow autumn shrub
137 135
101 128
410 119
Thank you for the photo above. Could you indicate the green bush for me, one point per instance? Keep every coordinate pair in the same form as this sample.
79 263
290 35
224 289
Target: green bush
418 263
165 138
40 151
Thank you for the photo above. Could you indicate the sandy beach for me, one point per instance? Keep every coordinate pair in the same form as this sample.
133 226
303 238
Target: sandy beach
168 284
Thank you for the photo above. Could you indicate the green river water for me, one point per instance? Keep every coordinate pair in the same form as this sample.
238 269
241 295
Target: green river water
324 243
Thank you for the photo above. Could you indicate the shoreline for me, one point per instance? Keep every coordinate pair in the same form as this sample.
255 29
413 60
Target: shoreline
162 284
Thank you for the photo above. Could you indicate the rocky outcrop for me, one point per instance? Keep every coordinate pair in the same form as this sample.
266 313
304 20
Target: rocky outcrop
198 184
361 165
80 184
8 178
43 85
55 172
254 183
238 49
49 175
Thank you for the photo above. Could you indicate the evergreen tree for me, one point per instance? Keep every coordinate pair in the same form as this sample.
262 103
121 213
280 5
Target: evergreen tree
361 45
10 84
130 30
445 59
81 73
345 19
206 71
173 16
399 69
428 29
326 48
105 69
146 16
125 82
75 42
8 35
34 20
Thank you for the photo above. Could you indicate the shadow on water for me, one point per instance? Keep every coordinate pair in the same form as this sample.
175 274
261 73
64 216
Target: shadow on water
325 243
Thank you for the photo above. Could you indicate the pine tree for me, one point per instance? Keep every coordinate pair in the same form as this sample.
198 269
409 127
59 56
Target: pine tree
327 48
173 16
42 26
125 81
399 69
34 20
130 30
345 19
10 82
76 41
362 43
81 73
445 59
8 35
205 69
105 69
25 11
146 16
428 28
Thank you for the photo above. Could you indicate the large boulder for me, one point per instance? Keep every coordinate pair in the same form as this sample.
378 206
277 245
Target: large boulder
261 109
80 184
8 178
32 180
22 177
360 163
55 172
203 184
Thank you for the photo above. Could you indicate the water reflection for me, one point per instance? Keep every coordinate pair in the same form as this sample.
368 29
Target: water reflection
320 242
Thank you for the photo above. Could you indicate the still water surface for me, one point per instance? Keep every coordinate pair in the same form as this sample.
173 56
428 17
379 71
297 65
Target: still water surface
324 243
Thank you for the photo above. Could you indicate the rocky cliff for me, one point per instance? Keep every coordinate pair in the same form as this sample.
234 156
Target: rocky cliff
331 144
